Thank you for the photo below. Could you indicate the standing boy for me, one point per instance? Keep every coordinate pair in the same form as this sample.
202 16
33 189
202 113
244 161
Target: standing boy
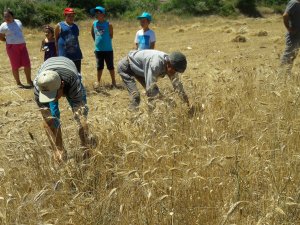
102 33
291 20
146 67
145 38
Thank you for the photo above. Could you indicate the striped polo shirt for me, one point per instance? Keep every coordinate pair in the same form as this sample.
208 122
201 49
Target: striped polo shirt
68 73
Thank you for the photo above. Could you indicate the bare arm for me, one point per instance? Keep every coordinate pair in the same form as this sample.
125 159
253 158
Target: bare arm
54 135
178 87
56 36
286 19
93 33
42 45
152 45
111 31
2 37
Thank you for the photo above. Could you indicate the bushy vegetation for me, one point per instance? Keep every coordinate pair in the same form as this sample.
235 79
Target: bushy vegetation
36 13
39 12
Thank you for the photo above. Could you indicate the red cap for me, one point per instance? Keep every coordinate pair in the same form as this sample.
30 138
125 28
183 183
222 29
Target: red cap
69 11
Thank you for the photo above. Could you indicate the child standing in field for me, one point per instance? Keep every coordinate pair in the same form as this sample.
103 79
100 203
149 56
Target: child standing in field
48 44
145 38
102 33
66 35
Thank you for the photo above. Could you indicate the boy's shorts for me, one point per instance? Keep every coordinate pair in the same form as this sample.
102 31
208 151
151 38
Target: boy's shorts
108 57
18 55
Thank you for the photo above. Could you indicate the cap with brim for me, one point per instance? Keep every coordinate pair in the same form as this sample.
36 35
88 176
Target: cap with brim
97 8
48 82
178 61
145 15
69 11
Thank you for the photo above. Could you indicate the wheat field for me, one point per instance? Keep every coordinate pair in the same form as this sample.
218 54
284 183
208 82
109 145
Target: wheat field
236 160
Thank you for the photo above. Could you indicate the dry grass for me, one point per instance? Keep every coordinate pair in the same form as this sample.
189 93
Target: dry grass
236 161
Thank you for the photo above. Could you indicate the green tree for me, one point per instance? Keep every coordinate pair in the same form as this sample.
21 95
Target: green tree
248 7
84 4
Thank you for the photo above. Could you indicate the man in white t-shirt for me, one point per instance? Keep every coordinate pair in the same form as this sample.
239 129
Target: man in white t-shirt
145 38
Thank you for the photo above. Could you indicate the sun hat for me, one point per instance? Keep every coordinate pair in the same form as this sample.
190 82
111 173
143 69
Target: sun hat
97 8
145 15
178 61
69 11
48 82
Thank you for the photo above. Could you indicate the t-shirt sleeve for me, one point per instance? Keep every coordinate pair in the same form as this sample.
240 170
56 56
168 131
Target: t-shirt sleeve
152 37
290 8
74 94
2 30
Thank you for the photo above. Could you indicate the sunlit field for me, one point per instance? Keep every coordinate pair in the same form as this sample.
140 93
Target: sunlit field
234 160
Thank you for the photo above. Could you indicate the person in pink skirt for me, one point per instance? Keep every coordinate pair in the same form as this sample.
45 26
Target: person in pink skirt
11 33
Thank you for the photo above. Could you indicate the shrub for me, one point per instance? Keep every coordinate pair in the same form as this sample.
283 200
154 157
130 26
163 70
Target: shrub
36 13
199 7
84 4
248 8
116 7
145 5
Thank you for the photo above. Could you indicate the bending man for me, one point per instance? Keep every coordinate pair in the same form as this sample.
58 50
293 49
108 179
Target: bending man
147 66
56 78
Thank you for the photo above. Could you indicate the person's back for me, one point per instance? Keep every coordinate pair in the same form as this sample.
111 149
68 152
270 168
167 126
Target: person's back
146 66
148 63
67 72
293 9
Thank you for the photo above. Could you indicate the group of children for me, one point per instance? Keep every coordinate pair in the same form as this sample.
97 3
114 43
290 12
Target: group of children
63 40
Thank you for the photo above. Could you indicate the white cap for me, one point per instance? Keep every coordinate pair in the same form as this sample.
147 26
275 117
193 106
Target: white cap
48 82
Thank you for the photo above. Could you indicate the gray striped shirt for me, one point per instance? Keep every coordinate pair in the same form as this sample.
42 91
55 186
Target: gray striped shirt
68 73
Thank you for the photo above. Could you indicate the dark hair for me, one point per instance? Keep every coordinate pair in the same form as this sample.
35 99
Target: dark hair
9 11
48 27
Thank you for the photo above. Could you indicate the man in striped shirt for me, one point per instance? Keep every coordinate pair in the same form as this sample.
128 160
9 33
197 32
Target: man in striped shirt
56 78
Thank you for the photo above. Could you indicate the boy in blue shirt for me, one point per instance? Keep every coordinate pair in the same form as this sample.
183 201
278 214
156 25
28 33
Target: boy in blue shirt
102 33
145 38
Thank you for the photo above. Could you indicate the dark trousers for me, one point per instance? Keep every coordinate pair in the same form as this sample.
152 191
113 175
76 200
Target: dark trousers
78 65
